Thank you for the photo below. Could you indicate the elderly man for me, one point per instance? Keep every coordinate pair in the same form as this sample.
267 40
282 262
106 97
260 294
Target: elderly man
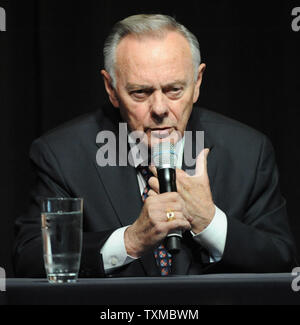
231 212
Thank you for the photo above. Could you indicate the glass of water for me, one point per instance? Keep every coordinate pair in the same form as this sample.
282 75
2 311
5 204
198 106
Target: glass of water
62 238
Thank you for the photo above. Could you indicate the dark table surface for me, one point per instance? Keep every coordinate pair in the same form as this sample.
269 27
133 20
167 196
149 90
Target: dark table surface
236 289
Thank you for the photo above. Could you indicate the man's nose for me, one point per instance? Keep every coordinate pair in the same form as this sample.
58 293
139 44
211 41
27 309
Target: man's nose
159 106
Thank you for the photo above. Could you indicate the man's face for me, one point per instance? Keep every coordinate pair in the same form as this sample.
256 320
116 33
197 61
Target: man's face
155 86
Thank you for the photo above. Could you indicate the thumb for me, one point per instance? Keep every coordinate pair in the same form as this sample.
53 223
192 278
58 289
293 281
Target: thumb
201 163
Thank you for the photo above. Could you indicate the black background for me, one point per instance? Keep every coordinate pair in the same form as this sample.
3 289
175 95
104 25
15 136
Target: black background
50 61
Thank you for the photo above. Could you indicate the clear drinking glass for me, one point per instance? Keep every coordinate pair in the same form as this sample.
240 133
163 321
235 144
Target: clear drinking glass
62 238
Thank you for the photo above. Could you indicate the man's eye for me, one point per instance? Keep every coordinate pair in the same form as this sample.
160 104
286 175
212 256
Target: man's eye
175 92
139 93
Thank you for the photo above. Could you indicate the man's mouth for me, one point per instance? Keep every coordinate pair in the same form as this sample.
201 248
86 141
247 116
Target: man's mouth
161 133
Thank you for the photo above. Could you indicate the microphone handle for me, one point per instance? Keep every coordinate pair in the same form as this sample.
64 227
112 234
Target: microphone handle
167 183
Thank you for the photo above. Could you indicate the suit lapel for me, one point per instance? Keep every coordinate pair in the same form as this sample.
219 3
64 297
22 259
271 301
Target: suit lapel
121 187
120 182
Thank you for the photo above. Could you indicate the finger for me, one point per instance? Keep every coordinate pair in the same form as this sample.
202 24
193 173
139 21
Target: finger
176 217
184 217
152 193
201 163
170 197
181 173
154 184
185 212
153 170
189 219
178 223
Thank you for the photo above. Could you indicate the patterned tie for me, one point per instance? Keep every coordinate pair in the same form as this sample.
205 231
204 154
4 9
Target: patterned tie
162 256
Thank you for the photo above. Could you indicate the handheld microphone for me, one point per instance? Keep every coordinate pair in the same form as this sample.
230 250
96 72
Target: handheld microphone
164 159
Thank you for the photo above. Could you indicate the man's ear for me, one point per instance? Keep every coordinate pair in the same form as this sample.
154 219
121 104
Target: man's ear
109 88
201 69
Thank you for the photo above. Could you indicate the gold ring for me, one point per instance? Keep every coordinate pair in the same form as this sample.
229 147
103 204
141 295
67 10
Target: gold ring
170 215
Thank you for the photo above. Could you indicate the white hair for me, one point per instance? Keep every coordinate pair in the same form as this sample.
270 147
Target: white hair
141 25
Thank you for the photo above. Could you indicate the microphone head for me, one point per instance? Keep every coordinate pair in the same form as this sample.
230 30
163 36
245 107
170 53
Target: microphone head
164 155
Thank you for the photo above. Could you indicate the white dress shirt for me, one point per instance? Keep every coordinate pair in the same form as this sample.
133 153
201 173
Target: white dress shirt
213 237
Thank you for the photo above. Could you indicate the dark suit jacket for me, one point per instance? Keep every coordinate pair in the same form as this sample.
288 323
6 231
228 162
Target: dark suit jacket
244 184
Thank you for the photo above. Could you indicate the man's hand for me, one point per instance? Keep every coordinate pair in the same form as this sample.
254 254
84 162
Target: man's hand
195 192
192 204
152 226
